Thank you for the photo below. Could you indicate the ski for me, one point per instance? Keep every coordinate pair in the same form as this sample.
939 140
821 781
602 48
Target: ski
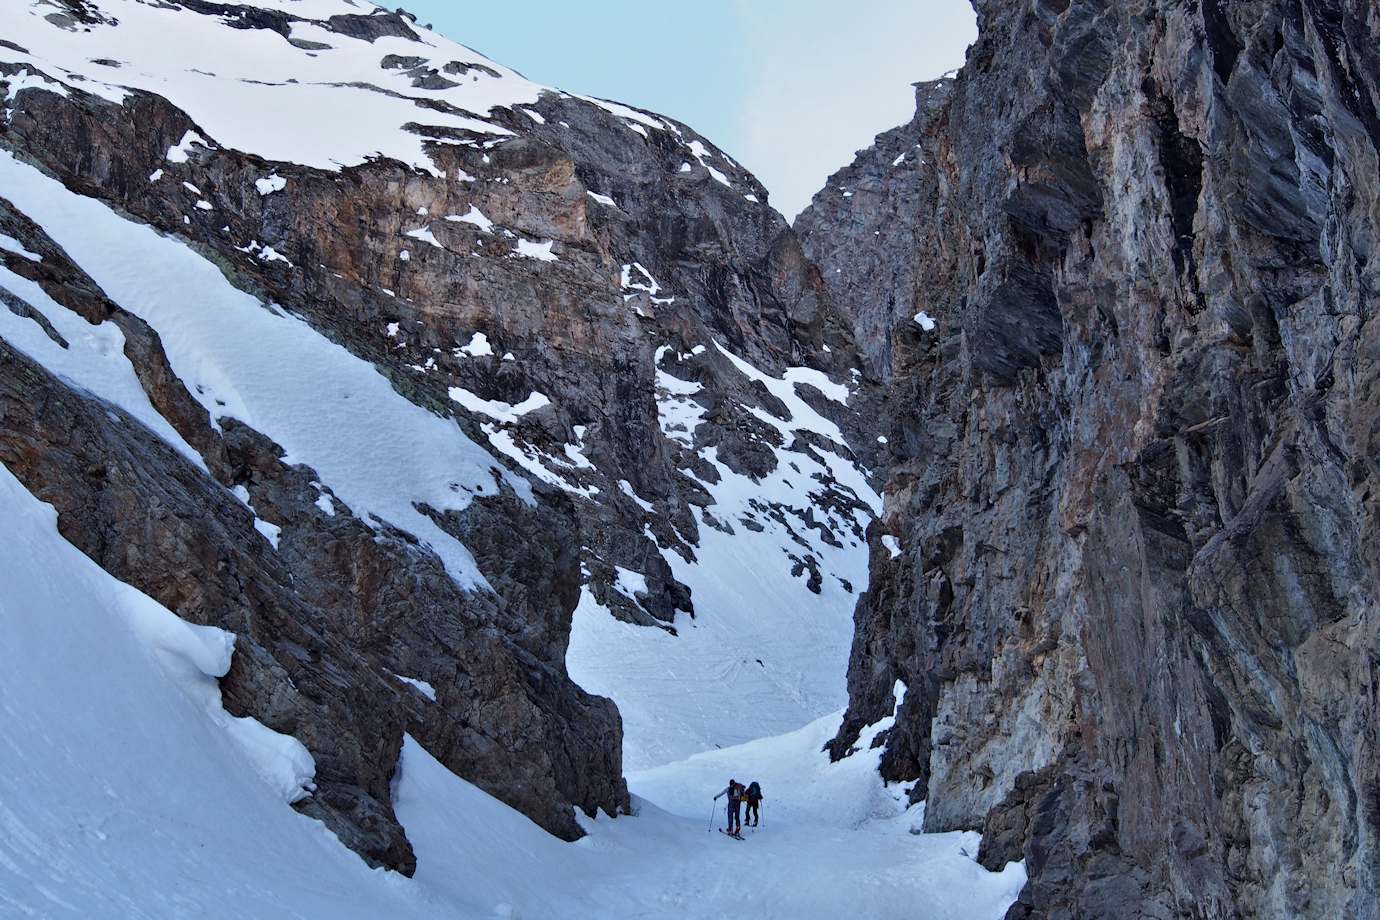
734 836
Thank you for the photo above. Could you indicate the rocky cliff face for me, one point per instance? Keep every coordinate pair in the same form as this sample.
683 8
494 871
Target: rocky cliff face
1127 564
592 328
861 229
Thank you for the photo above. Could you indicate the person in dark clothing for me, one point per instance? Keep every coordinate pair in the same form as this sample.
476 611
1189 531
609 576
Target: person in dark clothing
753 796
735 792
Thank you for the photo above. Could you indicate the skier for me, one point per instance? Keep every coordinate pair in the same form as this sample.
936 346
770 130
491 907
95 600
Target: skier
734 790
753 797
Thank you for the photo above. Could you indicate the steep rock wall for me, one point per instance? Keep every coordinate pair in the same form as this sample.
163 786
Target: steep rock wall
1133 481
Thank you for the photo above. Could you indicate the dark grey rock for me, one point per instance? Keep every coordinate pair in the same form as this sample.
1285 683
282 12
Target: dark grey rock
1133 467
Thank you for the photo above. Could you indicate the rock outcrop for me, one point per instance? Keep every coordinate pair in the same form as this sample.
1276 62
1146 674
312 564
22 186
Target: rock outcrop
1127 565
860 229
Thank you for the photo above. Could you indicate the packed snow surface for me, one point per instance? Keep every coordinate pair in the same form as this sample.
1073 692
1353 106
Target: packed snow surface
832 841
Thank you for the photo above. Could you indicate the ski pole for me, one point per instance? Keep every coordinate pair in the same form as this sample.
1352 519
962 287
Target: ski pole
712 808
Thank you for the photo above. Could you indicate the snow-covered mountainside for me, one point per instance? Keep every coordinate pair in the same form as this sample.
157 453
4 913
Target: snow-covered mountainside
129 791
389 435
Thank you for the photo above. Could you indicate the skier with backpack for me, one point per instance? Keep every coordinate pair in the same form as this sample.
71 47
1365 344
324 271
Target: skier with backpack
753 797
735 792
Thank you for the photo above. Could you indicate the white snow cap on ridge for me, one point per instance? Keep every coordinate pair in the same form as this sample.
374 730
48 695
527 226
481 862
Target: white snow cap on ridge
337 102
251 90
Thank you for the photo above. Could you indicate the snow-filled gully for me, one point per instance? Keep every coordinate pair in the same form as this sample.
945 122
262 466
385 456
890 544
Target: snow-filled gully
146 799
127 790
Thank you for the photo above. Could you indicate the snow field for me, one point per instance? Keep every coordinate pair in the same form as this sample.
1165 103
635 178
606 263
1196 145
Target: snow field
832 842
125 789
252 90
763 654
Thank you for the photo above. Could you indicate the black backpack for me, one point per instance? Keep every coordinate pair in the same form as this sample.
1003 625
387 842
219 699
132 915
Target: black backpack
754 791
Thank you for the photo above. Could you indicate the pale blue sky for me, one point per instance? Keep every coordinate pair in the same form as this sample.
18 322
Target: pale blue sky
790 88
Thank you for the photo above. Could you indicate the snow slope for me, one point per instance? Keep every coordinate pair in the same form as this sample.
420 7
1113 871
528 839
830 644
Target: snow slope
832 842
315 97
122 790
125 790
763 654
379 453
